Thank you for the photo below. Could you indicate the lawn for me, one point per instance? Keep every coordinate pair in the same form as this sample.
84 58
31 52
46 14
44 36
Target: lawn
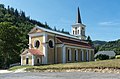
111 64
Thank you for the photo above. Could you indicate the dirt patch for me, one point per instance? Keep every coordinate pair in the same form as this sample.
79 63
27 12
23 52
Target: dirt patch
105 70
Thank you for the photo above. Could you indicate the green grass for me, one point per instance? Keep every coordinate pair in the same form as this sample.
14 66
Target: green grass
114 64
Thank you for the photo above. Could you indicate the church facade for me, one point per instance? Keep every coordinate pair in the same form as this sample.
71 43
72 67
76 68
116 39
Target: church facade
49 47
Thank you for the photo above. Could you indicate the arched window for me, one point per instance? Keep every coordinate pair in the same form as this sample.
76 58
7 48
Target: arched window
76 55
69 54
51 43
78 31
81 32
27 60
75 30
38 60
36 44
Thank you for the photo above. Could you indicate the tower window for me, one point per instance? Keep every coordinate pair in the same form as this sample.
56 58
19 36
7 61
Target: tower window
81 32
73 32
78 31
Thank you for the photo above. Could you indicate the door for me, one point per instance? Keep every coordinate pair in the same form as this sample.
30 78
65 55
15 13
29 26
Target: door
27 60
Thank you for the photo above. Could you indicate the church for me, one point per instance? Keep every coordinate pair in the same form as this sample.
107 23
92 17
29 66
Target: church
49 47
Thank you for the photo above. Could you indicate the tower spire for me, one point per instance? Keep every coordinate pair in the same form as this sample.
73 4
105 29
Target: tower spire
78 17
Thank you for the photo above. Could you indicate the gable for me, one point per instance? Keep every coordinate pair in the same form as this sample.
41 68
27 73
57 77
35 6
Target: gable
35 30
26 52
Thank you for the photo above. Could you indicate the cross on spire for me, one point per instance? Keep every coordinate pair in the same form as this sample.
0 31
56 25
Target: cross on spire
78 17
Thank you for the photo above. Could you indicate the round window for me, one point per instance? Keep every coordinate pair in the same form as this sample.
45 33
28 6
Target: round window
51 45
37 44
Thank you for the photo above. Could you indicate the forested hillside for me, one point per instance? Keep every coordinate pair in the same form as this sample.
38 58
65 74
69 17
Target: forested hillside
99 43
107 46
14 27
112 46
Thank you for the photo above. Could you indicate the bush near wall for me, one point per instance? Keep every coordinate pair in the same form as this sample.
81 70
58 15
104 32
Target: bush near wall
117 56
102 57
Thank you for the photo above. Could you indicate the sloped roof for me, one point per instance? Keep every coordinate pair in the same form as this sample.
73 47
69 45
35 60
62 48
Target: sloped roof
109 53
51 31
33 52
78 17
74 42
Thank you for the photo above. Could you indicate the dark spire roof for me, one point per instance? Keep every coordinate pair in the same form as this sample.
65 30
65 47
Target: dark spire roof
78 17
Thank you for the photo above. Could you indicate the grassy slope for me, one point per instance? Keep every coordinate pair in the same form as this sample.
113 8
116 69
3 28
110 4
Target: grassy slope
115 63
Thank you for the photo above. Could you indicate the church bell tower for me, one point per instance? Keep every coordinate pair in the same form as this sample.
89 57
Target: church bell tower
78 29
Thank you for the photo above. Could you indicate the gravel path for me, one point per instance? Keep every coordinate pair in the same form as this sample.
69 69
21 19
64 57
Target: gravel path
5 71
59 75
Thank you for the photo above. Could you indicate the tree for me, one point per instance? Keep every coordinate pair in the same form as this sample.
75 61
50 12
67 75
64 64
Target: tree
62 31
47 26
89 40
55 29
16 13
8 43
1 5
22 14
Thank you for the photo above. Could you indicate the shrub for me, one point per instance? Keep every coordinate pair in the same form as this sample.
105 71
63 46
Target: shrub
112 57
102 57
117 56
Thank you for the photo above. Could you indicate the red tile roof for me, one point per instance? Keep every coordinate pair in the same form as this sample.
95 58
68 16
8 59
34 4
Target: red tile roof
74 42
35 52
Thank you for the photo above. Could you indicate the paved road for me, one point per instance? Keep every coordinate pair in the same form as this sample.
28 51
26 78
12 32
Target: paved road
59 75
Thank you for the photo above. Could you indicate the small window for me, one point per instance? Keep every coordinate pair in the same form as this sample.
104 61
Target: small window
51 45
73 32
37 44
